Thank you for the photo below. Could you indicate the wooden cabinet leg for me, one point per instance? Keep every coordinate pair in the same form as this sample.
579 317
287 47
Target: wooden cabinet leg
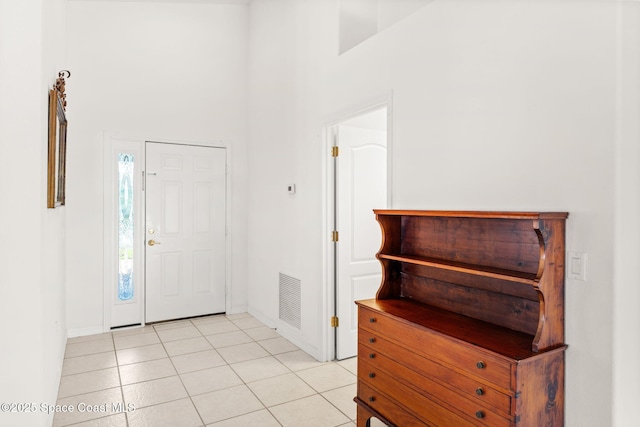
363 417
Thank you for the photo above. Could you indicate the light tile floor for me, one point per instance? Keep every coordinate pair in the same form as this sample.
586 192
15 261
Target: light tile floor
222 371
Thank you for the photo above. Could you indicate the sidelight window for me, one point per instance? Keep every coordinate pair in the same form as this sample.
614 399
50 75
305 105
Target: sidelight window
125 226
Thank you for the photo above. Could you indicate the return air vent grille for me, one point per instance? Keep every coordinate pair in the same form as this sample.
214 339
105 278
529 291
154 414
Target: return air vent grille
290 300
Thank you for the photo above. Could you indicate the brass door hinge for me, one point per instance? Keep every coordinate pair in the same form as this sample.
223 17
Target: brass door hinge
334 236
334 321
335 151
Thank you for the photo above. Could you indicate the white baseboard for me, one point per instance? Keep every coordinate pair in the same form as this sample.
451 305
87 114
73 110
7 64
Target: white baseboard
81 332
262 317
237 310
290 333
295 336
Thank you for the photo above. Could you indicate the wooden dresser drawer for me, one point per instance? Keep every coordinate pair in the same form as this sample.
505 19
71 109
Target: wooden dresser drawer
482 392
418 401
387 407
386 375
429 344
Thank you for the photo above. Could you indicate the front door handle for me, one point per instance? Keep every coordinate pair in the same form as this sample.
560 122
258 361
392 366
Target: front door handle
153 242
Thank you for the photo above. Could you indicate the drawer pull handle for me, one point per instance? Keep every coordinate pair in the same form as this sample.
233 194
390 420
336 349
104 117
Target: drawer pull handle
372 355
372 340
480 414
372 375
479 391
372 320
480 365
372 399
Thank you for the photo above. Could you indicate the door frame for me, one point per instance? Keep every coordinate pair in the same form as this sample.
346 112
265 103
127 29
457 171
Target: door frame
328 295
110 140
110 229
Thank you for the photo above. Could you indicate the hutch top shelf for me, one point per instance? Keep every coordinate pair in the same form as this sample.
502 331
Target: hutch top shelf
503 268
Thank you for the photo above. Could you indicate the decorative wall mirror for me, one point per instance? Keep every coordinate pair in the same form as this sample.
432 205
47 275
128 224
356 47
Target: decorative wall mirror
57 142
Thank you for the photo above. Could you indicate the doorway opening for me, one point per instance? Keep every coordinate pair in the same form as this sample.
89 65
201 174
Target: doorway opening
359 175
165 250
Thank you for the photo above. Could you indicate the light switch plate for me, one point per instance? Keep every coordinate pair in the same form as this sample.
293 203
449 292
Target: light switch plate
577 265
291 189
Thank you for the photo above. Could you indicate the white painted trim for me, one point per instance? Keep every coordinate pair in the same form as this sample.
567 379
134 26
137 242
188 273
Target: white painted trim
81 332
228 227
390 145
326 299
326 293
268 321
107 221
237 310
295 336
286 331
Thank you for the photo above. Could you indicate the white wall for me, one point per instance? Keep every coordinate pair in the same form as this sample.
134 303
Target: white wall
626 293
496 105
152 70
32 307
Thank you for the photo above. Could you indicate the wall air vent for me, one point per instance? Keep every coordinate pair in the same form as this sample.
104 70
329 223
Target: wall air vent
290 300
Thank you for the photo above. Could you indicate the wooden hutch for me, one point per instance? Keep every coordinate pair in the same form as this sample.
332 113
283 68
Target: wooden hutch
467 327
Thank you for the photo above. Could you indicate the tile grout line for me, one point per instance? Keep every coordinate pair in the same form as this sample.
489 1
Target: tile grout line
200 334
247 385
212 348
230 365
115 351
178 373
97 391
319 393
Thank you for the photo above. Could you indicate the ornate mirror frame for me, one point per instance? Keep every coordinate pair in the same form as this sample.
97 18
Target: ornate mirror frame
56 165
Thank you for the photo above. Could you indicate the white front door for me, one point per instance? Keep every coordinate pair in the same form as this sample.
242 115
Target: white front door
185 231
361 174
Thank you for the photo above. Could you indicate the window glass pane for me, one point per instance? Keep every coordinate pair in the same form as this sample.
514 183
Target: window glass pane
125 226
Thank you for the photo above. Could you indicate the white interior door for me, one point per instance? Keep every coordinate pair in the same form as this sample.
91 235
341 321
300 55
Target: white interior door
361 174
185 231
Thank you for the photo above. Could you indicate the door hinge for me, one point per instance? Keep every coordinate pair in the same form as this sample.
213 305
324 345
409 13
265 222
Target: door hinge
335 151
334 236
334 321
